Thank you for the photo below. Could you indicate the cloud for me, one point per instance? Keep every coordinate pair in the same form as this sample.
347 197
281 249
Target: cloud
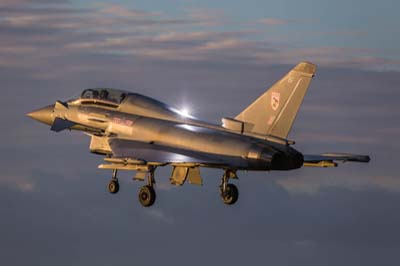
17 182
222 44
121 11
350 33
316 184
46 33
323 137
160 215
8 3
61 37
206 16
276 21
373 62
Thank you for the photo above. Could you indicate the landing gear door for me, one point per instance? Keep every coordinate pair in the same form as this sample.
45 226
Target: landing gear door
181 173
178 176
194 176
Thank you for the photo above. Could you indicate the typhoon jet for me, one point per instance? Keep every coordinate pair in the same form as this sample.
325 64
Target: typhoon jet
138 133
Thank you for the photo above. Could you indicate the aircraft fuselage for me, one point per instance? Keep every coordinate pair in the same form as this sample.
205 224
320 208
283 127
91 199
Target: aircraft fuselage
188 134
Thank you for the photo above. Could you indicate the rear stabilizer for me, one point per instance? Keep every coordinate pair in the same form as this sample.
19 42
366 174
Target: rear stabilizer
274 112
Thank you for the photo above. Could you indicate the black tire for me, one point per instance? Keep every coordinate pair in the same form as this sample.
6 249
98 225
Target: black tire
230 195
113 186
147 196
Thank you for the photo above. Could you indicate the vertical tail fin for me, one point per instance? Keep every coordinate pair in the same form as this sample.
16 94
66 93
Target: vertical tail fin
274 112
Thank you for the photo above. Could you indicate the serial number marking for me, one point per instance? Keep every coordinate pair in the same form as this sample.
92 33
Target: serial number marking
124 122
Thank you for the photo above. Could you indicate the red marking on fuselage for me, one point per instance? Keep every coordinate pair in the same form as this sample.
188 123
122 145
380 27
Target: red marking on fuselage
124 122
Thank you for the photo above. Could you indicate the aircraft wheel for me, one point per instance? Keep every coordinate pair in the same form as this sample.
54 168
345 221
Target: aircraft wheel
230 195
147 196
113 186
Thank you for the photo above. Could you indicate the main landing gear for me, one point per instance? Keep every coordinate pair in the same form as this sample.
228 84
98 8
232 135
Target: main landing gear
229 192
147 194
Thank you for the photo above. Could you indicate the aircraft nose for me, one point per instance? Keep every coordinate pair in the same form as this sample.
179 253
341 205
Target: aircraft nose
44 115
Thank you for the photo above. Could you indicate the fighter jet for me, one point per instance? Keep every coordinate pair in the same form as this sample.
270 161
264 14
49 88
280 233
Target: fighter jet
138 133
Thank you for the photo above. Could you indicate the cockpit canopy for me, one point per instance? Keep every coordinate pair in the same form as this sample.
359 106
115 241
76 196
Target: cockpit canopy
104 94
128 102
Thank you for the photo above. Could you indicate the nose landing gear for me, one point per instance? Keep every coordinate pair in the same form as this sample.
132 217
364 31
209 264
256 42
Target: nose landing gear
113 185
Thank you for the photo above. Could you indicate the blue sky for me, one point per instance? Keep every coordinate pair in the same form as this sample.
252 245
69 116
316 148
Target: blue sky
355 24
215 58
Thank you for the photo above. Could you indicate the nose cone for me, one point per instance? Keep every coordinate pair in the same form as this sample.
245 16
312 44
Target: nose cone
44 115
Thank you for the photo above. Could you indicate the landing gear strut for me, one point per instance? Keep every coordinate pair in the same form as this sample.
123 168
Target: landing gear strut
147 194
229 192
113 185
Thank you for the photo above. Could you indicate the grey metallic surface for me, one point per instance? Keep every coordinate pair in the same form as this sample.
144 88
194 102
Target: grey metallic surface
44 115
168 133
134 128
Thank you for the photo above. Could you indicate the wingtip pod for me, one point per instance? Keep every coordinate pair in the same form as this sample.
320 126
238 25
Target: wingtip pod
306 68
330 159
349 157
361 158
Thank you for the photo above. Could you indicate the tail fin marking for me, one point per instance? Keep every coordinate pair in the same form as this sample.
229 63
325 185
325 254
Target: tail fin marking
274 112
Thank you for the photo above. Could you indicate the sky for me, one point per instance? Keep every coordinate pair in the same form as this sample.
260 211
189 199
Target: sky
214 58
